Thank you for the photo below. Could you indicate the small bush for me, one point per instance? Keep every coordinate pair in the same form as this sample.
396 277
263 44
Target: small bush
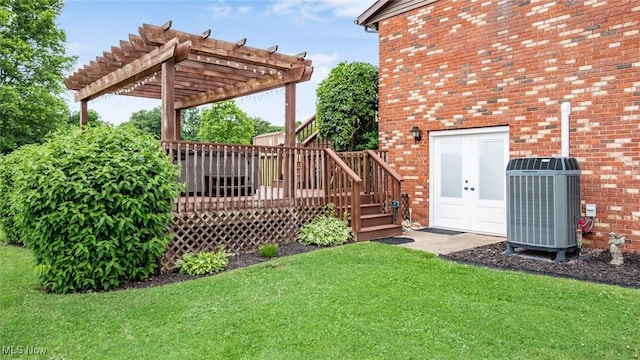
94 207
326 230
204 262
269 250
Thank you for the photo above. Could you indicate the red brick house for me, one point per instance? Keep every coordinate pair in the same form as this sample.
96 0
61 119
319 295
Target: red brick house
484 82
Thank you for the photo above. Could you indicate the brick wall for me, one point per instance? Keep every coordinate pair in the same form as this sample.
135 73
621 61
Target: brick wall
468 64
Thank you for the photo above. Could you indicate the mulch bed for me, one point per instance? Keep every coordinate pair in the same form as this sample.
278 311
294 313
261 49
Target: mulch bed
592 266
235 262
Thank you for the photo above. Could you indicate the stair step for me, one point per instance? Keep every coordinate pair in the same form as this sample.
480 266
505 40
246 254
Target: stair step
375 219
379 232
369 209
366 198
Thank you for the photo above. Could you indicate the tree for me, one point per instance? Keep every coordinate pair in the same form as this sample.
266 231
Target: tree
224 122
346 106
149 121
262 126
73 121
32 66
190 122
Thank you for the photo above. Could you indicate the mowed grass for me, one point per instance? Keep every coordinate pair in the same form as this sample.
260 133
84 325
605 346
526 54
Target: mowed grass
358 301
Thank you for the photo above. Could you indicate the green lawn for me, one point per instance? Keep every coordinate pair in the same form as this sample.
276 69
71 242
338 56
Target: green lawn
357 301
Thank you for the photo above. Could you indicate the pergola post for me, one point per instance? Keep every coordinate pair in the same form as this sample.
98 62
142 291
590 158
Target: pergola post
178 128
290 115
168 128
289 138
84 113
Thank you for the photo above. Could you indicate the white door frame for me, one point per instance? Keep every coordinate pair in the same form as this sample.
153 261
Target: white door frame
443 133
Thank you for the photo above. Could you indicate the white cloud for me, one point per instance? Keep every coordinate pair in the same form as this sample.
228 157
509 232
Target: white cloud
220 11
224 11
347 8
312 10
293 9
322 65
283 6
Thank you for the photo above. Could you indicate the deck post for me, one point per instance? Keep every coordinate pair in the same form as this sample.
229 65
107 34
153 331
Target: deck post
167 131
84 113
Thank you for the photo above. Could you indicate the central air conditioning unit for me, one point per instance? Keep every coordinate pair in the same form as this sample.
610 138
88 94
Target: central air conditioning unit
543 204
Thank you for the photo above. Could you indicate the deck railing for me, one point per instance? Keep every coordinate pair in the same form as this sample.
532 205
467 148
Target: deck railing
379 180
385 183
343 189
230 177
307 134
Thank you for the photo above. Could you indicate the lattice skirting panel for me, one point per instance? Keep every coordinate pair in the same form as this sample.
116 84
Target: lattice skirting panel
405 206
240 231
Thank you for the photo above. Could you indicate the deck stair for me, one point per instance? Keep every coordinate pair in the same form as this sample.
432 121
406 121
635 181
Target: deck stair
375 222
376 218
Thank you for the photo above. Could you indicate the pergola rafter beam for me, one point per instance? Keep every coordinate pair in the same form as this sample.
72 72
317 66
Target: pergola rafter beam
246 88
120 55
231 67
195 67
129 73
139 44
155 35
129 50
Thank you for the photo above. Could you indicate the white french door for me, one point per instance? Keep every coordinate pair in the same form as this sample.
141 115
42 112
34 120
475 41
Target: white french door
468 180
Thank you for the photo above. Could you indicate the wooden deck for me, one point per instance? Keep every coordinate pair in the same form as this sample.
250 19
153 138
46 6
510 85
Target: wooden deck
264 197
245 196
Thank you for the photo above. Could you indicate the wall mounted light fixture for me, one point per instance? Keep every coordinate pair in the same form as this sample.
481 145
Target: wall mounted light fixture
416 134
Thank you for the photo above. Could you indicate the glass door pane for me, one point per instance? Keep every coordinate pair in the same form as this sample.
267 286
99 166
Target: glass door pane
451 169
491 169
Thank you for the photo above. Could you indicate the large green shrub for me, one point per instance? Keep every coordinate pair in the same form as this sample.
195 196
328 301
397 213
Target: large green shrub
10 165
94 207
7 212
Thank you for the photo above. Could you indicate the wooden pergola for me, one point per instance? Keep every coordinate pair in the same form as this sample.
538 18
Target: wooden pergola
186 70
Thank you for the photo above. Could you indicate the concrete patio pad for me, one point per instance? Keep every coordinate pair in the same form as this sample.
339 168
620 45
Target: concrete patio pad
444 244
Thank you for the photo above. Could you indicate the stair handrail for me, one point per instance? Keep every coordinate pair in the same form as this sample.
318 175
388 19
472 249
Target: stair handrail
309 139
385 166
396 184
301 131
355 191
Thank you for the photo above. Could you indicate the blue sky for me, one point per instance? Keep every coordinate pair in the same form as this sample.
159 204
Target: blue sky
322 28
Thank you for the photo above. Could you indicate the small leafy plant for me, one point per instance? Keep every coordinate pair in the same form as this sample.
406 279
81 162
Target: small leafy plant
269 250
204 262
326 230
